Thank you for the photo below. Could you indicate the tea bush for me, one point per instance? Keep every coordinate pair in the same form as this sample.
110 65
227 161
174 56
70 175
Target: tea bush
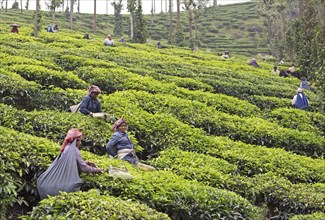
91 205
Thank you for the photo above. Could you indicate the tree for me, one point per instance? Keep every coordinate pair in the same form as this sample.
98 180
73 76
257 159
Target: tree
193 7
117 4
131 8
298 29
170 22
37 18
140 31
27 5
94 24
71 14
52 5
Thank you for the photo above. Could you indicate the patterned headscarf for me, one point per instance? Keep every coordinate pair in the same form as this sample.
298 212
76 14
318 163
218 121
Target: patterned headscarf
73 133
118 123
93 88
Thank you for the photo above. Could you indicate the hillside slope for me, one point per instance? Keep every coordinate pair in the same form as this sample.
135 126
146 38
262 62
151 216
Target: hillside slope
222 134
237 28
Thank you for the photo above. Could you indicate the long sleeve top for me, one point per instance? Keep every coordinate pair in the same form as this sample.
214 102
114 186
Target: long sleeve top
82 165
300 101
118 142
90 105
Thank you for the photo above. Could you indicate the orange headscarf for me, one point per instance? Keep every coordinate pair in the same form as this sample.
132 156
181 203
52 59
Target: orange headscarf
93 88
118 123
73 133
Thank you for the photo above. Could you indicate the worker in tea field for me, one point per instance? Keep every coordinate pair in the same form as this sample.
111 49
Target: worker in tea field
304 84
300 100
283 73
90 105
275 71
64 173
120 145
14 28
108 41
253 62
226 55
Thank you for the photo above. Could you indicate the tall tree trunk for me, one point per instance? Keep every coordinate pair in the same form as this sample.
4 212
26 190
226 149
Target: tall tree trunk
53 15
161 6
323 2
21 6
107 7
6 5
71 14
154 7
36 19
190 22
94 25
78 8
170 22
166 5
178 12
27 4
131 25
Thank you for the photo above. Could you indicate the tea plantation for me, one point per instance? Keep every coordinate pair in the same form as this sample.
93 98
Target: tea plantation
223 136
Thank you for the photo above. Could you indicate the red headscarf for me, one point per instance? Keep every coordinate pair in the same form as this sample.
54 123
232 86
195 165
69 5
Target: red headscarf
93 88
73 133
118 123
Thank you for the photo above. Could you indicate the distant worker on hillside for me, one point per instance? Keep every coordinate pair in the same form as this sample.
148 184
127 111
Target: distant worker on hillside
50 28
120 145
275 71
14 28
108 41
122 40
90 105
253 62
86 36
159 45
300 100
226 55
304 84
292 71
55 27
283 73
64 173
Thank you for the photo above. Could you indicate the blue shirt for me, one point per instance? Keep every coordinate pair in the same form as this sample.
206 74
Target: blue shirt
89 105
118 142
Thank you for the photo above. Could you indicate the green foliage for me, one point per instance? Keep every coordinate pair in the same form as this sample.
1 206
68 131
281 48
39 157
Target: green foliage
283 196
140 29
314 216
92 205
20 157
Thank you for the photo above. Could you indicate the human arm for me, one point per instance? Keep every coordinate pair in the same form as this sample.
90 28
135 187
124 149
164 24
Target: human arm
111 145
83 106
86 167
294 100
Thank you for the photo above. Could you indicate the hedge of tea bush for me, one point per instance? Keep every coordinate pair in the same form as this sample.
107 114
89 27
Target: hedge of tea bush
91 205
313 216
111 80
270 188
156 132
54 124
251 130
47 77
300 120
160 190
20 158
29 95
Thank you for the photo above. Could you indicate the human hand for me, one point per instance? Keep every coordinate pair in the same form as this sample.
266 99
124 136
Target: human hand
91 114
89 163
98 170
